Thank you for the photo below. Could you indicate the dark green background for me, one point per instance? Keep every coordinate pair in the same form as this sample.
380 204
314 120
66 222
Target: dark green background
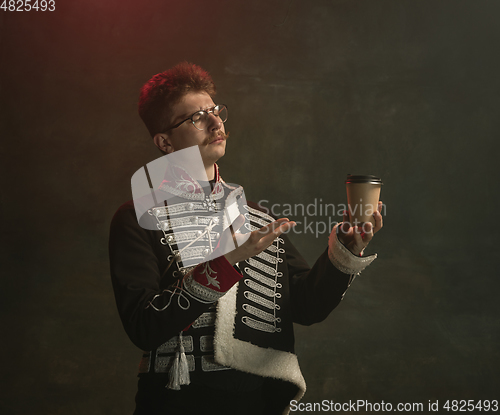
406 90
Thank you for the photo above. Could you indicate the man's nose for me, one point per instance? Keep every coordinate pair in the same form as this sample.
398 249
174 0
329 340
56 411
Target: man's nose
214 122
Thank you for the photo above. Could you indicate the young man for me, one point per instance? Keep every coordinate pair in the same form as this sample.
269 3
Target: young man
217 329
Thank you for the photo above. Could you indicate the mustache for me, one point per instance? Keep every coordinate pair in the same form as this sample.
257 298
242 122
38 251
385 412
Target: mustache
218 134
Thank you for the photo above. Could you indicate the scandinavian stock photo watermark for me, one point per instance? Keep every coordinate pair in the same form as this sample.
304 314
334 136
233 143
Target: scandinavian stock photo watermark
317 217
171 176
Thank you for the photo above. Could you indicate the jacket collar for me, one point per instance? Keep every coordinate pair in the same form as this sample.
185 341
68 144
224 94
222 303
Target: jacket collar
180 183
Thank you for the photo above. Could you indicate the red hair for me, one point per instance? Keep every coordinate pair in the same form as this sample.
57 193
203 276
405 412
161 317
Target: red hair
164 90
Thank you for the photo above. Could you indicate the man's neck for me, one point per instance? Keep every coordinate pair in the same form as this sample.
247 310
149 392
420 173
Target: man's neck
210 170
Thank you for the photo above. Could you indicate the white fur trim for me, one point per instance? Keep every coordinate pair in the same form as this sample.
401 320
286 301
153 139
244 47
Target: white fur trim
248 357
343 259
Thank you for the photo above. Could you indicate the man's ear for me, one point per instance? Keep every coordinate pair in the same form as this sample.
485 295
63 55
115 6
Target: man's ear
162 141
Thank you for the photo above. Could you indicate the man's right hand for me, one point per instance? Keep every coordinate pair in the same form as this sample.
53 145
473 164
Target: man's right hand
249 245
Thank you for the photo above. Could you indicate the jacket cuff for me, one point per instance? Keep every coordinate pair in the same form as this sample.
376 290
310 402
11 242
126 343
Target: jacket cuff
343 259
210 280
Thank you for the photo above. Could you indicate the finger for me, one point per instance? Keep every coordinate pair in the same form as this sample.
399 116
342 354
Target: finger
380 205
379 223
358 240
276 224
265 230
269 238
366 227
284 227
345 224
367 234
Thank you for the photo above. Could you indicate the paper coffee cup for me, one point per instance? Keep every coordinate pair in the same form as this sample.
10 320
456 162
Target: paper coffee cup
363 193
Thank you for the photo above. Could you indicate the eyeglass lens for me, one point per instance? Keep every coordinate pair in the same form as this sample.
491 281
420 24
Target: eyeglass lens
200 119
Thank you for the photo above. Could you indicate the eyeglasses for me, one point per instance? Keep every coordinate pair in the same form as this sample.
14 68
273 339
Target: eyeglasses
200 118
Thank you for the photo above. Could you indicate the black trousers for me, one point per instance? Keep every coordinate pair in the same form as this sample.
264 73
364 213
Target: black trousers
269 398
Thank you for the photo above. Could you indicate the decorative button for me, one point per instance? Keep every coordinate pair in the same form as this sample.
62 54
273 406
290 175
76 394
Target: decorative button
190 206
209 204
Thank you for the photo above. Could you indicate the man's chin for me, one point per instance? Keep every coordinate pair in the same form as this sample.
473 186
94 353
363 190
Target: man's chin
212 154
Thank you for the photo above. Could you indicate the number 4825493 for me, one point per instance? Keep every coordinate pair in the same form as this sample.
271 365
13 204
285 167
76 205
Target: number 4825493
27 5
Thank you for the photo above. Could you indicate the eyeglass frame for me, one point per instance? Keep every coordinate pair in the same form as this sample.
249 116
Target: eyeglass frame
210 111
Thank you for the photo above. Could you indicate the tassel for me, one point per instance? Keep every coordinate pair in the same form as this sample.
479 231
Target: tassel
174 374
179 370
183 366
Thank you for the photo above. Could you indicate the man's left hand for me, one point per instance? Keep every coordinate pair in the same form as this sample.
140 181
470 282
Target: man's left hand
357 238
